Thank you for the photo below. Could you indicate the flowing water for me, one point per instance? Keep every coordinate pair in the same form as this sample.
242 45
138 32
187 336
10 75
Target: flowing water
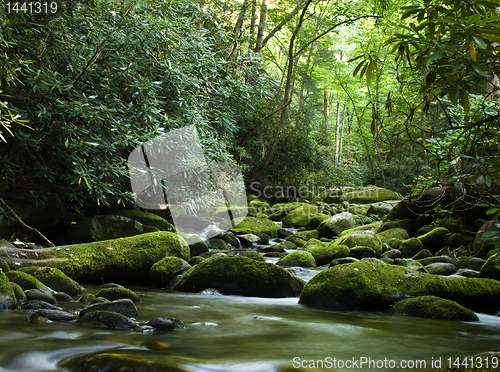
246 334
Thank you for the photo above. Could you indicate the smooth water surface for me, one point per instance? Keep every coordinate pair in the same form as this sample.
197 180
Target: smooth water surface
247 334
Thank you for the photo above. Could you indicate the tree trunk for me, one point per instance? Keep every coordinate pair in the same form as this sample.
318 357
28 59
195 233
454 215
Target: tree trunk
262 25
326 113
286 101
337 139
342 133
241 18
253 20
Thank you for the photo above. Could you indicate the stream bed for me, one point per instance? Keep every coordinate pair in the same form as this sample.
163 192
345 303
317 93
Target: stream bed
246 334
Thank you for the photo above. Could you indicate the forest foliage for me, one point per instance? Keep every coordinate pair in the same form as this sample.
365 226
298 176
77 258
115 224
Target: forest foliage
273 86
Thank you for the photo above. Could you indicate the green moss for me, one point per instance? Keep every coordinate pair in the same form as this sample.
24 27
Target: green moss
491 268
255 225
390 236
305 235
146 218
451 224
4 265
365 239
247 253
18 293
362 252
166 269
7 295
298 258
54 279
240 276
434 239
324 253
27 281
433 307
410 247
373 285
369 194
281 246
125 260
298 242
301 216
116 293
334 225
195 260
359 209
410 225
316 220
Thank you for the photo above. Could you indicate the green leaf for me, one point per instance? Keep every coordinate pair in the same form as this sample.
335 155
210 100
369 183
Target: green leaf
480 42
463 98
490 235
492 211
473 52
487 180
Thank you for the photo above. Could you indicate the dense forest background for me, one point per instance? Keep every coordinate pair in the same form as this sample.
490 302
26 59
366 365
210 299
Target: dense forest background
402 94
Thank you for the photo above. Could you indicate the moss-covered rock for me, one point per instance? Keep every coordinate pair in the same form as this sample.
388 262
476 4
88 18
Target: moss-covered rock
247 253
359 209
365 239
368 194
440 268
255 225
481 247
219 244
7 295
374 285
18 293
124 306
434 239
334 225
162 272
298 242
390 236
381 209
324 253
316 221
106 319
305 235
330 196
298 258
410 225
146 218
360 252
126 260
240 276
491 269
301 216
458 240
4 265
434 308
410 247
108 362
117 293
54 279
281 246
196 245
27 281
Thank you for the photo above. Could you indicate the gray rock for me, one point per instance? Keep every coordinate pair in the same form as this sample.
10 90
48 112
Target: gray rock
63 297
431 260
441 268
163 324
39 304
334 225
382 208
468 273
107 319
480 247
393 253
35 294
210 292
122 306
54 315
344 260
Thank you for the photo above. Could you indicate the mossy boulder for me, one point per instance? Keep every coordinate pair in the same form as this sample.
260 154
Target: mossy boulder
107 227
305 235
255 225
301 216
368 194
107 319
440 268
458 240
126 260
381 208
316 221
146 218
162 272
481 247
360 252
281 246
18 293
54 279
324 253
240 276
411 225
334 225
116 293
247 253
3 264
359 209
491 268
374 285
390 236
298 258
298 242
434 308
7 295
196 245
330 196
451 224
365 239
434 239
124 306
27 281
108 362
410 247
